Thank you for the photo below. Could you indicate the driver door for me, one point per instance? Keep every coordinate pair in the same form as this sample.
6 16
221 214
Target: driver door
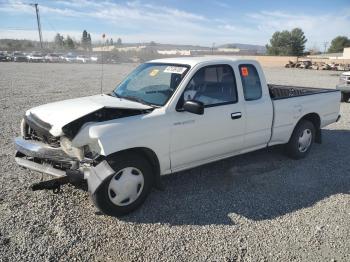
219 132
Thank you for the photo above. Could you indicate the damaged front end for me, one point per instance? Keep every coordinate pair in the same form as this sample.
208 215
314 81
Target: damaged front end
37 149
41 157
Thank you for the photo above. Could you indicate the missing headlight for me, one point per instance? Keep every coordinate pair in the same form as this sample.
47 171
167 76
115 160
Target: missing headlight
91 152
67 147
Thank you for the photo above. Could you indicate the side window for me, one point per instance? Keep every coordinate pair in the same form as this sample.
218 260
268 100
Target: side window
212 85
250 82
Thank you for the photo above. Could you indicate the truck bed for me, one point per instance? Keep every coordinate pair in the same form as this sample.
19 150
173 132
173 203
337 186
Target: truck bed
303 101
284 91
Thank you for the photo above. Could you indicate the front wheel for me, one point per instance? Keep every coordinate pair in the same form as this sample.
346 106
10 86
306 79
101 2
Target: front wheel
300 143
125 190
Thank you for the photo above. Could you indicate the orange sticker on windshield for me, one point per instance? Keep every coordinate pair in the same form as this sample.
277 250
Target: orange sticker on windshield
244 71
154 72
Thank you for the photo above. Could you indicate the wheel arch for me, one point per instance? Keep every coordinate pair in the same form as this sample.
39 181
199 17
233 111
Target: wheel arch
315 119
149 154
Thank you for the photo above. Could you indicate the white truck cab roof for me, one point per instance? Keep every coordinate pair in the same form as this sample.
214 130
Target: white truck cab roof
192 61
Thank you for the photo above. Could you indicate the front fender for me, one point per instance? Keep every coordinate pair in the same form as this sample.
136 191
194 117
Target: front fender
110 137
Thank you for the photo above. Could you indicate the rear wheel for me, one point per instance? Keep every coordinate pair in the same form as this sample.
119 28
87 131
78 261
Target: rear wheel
345 97
125 190
301 140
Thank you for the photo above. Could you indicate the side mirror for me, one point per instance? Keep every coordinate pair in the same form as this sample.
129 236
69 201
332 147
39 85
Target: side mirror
194 107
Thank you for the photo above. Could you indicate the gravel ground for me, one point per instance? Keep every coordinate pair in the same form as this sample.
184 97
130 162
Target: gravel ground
260 206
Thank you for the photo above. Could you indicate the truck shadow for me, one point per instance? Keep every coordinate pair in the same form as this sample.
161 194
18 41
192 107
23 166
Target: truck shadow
257 186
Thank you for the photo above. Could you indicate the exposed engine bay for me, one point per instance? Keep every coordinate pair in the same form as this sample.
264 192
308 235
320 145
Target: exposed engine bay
35 129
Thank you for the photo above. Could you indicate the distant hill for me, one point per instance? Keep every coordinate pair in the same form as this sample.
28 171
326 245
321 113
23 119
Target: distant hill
169 46
24 45
244 47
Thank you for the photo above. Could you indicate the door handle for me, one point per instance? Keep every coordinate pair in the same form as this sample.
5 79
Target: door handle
236 115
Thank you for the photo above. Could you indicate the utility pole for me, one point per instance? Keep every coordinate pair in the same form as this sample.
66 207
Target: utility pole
325 47
39 25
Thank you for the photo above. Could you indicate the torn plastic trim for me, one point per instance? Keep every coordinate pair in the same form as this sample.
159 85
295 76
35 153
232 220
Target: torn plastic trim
97 174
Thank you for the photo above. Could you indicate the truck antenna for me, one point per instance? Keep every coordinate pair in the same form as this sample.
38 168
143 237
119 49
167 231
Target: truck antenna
103 39
38 22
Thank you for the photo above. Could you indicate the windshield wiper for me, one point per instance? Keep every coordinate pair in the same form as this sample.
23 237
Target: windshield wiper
136 99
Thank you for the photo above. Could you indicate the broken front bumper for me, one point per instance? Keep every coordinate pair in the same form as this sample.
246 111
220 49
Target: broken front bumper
31 154
41 150
42 158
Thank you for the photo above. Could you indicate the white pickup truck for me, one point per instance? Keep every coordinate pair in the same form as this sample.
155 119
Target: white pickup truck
168 115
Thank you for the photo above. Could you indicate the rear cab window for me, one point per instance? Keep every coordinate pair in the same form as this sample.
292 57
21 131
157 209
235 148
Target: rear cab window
250 82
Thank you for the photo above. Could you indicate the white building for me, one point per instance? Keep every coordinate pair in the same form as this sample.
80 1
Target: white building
121 49
228 50
174 52
346 53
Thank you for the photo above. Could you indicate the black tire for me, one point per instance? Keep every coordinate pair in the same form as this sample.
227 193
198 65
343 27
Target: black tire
293 147
101 197
344 97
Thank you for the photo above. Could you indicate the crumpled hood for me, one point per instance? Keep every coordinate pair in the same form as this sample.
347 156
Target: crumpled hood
58 114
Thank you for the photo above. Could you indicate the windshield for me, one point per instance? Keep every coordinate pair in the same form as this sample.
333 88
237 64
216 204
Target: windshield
152 83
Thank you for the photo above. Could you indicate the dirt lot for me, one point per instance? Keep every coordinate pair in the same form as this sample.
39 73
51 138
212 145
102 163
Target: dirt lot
260 206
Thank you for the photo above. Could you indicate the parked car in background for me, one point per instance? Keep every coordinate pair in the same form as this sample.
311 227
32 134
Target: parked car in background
82 59
94 59
19 57
69 58
61 57
52 58
4 57
344 86
325 66
169 115
110 60
36 57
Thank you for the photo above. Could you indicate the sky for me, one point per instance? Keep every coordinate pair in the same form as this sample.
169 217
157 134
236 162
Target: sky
201 22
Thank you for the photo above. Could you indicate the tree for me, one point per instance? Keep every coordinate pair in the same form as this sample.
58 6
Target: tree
88 42
287 43
58 41
338 44
297 42
84 40
279 43
152 43
69 43
119 41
